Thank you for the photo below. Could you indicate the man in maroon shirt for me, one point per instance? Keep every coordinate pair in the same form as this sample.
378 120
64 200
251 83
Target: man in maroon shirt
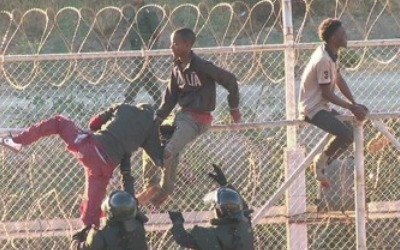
193 87
114 134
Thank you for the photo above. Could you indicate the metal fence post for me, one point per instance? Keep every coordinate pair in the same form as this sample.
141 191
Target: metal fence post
295 201
359 182
296 194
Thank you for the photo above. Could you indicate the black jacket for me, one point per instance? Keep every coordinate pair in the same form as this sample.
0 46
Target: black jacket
224 235
115 237
195 87
126 128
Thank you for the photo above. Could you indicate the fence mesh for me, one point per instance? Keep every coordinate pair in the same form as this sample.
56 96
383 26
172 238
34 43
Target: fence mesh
44 71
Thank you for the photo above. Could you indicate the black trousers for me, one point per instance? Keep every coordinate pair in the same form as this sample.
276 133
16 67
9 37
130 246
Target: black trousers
342 132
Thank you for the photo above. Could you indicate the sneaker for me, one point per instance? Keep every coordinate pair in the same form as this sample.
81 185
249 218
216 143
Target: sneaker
319 166
10 144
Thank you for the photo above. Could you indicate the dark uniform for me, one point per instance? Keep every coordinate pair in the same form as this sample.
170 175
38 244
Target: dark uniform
143 35
117 132
231 230
222 234
124 229
118 136
109 237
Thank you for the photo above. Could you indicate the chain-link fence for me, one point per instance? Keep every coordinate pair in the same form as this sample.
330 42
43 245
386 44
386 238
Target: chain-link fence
76 62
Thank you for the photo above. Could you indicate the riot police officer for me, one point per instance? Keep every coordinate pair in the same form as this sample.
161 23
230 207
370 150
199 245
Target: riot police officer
123 230
231 227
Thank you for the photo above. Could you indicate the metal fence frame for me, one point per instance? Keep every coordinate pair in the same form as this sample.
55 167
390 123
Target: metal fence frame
268 213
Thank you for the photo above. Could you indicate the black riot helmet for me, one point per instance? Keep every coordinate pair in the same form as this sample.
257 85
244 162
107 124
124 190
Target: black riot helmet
227 202
119 206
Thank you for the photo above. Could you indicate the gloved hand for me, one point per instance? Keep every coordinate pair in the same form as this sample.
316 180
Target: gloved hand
218 176
236 115
176 217
81 234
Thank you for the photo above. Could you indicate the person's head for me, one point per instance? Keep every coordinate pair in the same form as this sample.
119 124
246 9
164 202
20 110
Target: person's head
227 203
332 32
182 41
119 206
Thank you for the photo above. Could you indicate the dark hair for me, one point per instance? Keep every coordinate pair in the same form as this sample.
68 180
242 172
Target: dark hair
327 28
186 34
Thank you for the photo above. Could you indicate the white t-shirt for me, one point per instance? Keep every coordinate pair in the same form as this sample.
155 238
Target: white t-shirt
320 70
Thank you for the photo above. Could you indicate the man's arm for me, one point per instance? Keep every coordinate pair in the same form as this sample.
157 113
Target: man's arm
179 233
229 82
182 237
226 80
99 119
359 111
325 78
128 182
330 96
219 177
344 88
170 99
94 241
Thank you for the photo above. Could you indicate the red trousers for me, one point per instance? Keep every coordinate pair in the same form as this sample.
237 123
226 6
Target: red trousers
98 167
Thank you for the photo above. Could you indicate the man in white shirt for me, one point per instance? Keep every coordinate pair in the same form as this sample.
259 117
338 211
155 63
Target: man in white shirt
317 90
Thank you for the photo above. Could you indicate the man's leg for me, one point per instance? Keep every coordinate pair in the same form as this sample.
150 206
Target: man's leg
151 180
95 191
168 178
343 137
98 173
151 168
64 127
343 134
187 129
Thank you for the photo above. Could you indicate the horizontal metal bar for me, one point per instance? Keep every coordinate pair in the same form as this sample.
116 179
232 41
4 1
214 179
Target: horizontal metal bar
206 50
381 127
274 124
260 125
278 193
161 222
354 44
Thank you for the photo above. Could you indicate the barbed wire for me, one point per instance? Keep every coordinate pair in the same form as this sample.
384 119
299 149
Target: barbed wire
73 30
223 24
63 61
